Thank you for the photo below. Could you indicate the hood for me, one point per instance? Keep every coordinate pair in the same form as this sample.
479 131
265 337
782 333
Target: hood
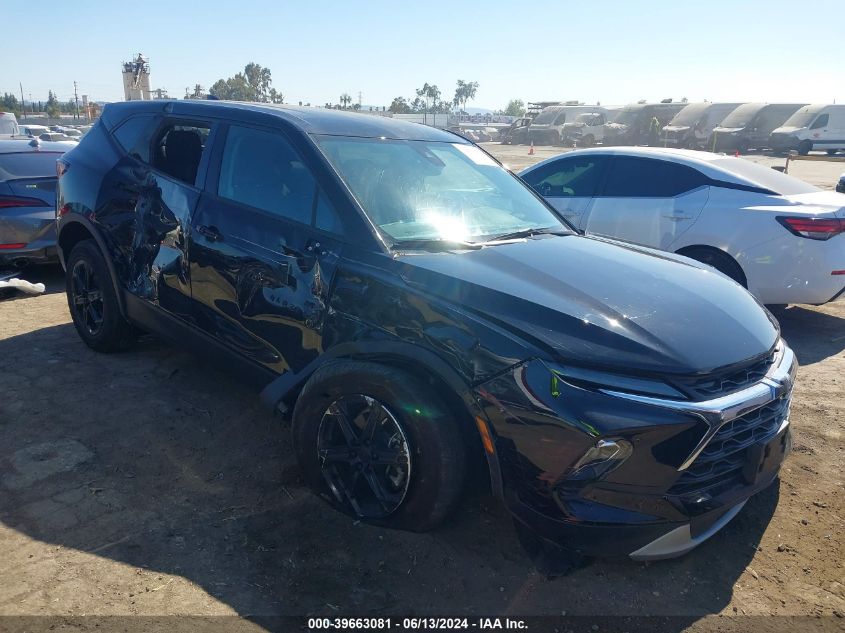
789 129
574 125
601 303
728 130
676 129
618 127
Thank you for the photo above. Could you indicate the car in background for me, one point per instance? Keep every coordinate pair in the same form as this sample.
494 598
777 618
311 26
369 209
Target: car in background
8 124
816 126
516 133
693 126
586 130
639 123
840 185
424 314
750 126
28 200
72 133
33 131
547 128
57 136
779 237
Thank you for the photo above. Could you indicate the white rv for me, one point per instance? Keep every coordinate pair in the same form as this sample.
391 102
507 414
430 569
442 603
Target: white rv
816 126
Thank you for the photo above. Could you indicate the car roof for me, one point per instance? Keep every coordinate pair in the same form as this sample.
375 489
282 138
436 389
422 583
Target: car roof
703 161
17 144
310 120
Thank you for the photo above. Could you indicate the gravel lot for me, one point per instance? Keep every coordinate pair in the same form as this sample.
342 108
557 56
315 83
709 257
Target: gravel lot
151 483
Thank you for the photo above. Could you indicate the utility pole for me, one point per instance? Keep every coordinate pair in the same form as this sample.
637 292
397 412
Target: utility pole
76 98
23 105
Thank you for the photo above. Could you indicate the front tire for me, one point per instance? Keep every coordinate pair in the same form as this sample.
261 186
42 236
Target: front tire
380 445
804 147
93 303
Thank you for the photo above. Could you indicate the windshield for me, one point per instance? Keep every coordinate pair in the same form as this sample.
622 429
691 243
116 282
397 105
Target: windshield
765 177
28 165
803 117
427 190
627 117
547 116
690 115
742 116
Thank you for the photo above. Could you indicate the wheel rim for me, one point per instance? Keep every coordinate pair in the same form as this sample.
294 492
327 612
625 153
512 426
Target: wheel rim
87 297
364 456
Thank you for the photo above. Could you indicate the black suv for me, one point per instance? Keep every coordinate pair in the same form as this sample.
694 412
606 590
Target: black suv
421 312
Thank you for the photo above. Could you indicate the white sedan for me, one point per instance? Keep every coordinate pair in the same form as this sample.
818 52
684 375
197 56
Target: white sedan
778 236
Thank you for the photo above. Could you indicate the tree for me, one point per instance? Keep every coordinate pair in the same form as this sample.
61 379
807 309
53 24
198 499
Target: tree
52 106
253 84
345 100
10 103
399 106
464 91
516 107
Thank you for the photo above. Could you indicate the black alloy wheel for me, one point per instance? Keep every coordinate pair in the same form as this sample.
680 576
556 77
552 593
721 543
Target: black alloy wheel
87 297
364 456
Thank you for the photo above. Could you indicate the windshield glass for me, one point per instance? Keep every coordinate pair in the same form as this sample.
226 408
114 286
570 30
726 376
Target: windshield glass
547 116
803 117
690 115
742 116
426 190
765 177
626 116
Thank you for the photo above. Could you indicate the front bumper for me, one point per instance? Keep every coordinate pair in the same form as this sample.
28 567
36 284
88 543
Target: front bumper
784 142
662 501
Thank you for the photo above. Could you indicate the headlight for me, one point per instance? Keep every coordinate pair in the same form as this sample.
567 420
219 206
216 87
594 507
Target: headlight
593 379
605 456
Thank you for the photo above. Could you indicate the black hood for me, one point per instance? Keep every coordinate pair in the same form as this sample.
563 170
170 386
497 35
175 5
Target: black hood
602 303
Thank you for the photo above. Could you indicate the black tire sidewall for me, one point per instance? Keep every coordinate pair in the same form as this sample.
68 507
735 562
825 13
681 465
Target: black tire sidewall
116 333
436 444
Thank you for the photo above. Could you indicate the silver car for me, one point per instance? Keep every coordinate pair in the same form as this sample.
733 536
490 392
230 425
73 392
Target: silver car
28 200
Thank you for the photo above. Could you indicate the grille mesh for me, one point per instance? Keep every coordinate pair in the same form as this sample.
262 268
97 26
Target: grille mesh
720 384
719 466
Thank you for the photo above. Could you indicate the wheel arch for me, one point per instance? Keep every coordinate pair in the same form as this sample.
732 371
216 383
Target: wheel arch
687 250
281 394
77 228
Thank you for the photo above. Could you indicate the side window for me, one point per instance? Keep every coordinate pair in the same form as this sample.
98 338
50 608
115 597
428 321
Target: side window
262 170
133 135
178 148
325 217
574 177
647 178
821 121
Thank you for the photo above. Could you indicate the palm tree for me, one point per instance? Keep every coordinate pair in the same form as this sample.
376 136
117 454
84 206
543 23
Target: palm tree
345 100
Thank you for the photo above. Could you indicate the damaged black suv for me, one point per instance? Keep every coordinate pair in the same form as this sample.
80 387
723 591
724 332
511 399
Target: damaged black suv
421 313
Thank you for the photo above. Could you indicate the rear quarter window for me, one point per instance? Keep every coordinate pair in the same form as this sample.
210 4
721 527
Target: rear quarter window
133 135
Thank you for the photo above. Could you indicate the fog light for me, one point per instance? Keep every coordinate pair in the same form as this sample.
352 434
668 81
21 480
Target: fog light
602 458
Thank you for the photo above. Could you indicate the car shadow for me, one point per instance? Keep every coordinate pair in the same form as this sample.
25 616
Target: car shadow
813 333
154 460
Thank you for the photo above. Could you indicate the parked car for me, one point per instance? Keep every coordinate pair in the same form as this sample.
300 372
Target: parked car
547 127
817 126
771 233
423 313
516 133
56 136
639 123
586 130
750 126
693 125
33 131
72 132
28 201
9 124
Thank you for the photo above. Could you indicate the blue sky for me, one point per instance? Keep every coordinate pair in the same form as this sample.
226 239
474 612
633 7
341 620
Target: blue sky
612 51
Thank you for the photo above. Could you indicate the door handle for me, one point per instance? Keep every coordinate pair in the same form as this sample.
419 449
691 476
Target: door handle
677 217
211 233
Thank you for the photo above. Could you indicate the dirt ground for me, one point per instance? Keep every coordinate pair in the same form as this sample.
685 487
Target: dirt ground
150 482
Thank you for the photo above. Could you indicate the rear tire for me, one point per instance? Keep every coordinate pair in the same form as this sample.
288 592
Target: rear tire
719 260
831 152
398 461
93 303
